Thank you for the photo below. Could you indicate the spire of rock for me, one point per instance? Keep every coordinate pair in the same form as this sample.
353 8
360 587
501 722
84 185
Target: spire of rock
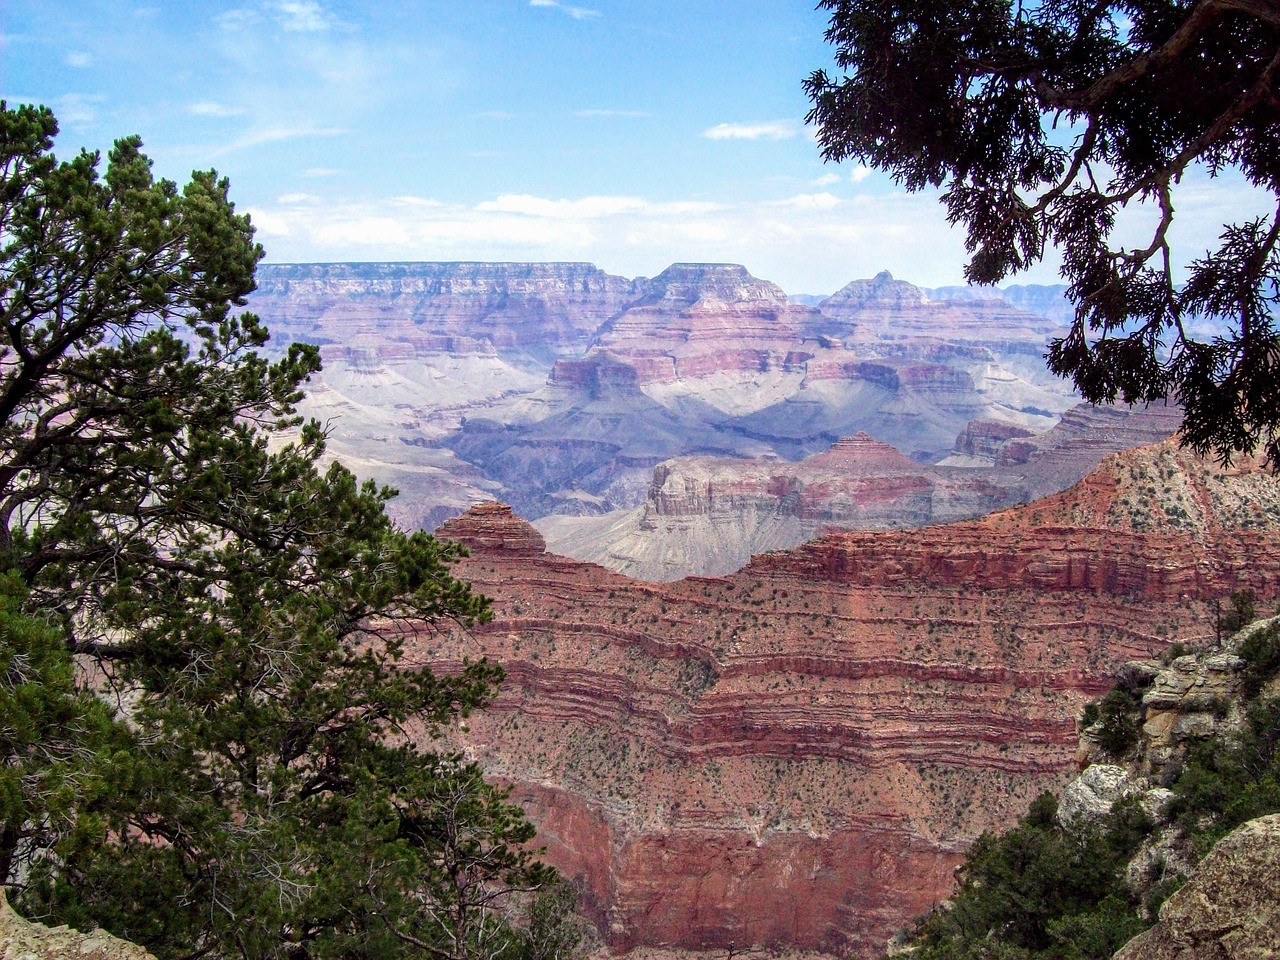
493 527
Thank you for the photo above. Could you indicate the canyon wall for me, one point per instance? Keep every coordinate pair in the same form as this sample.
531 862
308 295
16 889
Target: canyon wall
710 515
559 387
799 753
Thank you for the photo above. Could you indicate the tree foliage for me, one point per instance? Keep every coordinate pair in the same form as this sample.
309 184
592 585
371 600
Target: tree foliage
1043 122
268 792
1039 891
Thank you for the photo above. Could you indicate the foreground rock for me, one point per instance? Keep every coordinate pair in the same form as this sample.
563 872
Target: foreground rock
1230 910
800 753
22 940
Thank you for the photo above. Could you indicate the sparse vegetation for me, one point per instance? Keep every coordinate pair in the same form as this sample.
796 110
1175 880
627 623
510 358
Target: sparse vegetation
1038 891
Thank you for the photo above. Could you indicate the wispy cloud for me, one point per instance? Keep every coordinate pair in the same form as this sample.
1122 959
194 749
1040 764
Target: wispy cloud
79 59
209 108
768 130
320 172
292 16
578 13
262 135
78 108
811 201
826 180
304 16
611 113
859 173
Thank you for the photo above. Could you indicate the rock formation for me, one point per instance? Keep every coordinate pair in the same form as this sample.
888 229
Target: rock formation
709 515
798 754
22 940
1230 910
544 309
558 387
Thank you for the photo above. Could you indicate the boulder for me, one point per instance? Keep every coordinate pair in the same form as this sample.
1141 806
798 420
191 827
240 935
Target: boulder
1230 910
21 939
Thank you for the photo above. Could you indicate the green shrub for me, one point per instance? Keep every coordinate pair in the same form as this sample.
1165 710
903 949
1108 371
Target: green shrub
1241 613
1261 654
1119 730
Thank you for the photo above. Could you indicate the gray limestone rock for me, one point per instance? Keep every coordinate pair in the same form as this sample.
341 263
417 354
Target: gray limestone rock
1090 796
1230 910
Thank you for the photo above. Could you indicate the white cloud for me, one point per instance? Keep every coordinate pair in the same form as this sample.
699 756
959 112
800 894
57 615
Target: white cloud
320 172
411 201
826 180
297 198
276 134
303 16
859 173
77 108
79 59
578 13
770 130
811 243
292 16
811 201
208 108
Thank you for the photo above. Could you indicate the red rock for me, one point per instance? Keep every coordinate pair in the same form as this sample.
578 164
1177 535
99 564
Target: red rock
798 754
490 527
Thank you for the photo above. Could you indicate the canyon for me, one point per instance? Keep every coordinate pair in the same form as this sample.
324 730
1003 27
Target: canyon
799 753
594 403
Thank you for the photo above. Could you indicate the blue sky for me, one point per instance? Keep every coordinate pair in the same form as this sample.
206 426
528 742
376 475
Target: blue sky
630 134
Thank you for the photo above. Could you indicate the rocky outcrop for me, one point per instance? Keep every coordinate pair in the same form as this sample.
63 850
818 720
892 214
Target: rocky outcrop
1187 529
22 940
798 754
491 526
893 309
1230 909
984 439
709 515
543 308
700 319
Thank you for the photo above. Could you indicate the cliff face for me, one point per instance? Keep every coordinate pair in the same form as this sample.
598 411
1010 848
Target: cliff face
710 515
798 754
543 308
558 387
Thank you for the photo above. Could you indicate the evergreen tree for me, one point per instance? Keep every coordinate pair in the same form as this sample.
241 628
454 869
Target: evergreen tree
1042 122
246 607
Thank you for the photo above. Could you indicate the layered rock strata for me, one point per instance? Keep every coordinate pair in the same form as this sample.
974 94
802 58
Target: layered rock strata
558 387
709 515
798 754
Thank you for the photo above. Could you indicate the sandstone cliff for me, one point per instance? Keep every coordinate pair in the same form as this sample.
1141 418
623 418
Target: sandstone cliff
709 515
798 754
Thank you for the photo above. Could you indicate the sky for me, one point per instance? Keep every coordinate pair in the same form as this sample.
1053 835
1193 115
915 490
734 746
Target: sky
625 133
